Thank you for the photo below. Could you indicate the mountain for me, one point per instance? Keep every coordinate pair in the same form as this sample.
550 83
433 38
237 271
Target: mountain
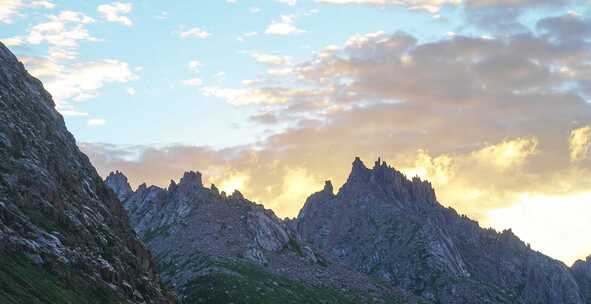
582 272
64 236
379 234
386 226
216 248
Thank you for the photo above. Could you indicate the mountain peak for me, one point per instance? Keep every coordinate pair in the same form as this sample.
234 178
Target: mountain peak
359 171
237 195
191 178
328 188
387 181
118 182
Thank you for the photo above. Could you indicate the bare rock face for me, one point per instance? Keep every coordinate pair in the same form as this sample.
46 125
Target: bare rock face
199 234
64 236
582 272
118 182
382 224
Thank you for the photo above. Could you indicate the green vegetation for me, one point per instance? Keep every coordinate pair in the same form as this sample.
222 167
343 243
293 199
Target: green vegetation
23 282
241 282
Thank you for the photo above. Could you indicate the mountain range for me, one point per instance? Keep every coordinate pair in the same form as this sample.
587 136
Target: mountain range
380 237
67 236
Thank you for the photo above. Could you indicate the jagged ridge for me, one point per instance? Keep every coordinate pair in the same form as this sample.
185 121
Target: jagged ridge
385 225
212 235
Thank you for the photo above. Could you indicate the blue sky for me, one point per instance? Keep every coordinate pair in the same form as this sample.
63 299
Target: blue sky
487 99
158 56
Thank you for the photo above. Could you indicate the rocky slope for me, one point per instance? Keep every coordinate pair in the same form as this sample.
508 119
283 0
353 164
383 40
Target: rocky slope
215 248
582 272
64 236
382 224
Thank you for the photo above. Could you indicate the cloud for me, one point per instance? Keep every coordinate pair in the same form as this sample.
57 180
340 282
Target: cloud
284 26
535 214
266 95
63 31
96 122
432 6
579 142
43 4
9 9
288 2
503 15
13 41
508 154
269 59
195 32
234 181
194 64
115 12
494 15
77 81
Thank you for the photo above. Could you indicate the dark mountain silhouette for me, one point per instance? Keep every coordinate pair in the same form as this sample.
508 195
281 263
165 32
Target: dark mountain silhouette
382 224
215 248
380 233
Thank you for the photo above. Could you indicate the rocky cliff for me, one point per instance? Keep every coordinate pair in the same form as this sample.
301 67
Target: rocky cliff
64 236
384 225
582 272
218 248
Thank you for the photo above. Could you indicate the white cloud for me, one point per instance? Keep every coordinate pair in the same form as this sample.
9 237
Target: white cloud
79 81
194 64
41 67
269 59
11 8
59 54
43 4
195 32
262 96
284 26
431 6
12 41
63 30
130 91
72 113
96 122
74 17
193 82
114 12
288 2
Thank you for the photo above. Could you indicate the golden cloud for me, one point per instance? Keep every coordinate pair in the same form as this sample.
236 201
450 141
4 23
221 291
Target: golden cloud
579 142
507 154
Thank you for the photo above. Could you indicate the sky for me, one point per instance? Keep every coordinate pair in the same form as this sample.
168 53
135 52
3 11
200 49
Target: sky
487 99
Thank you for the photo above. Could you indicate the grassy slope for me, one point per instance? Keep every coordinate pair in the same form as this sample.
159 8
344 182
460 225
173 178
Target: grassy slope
240 282
21 281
